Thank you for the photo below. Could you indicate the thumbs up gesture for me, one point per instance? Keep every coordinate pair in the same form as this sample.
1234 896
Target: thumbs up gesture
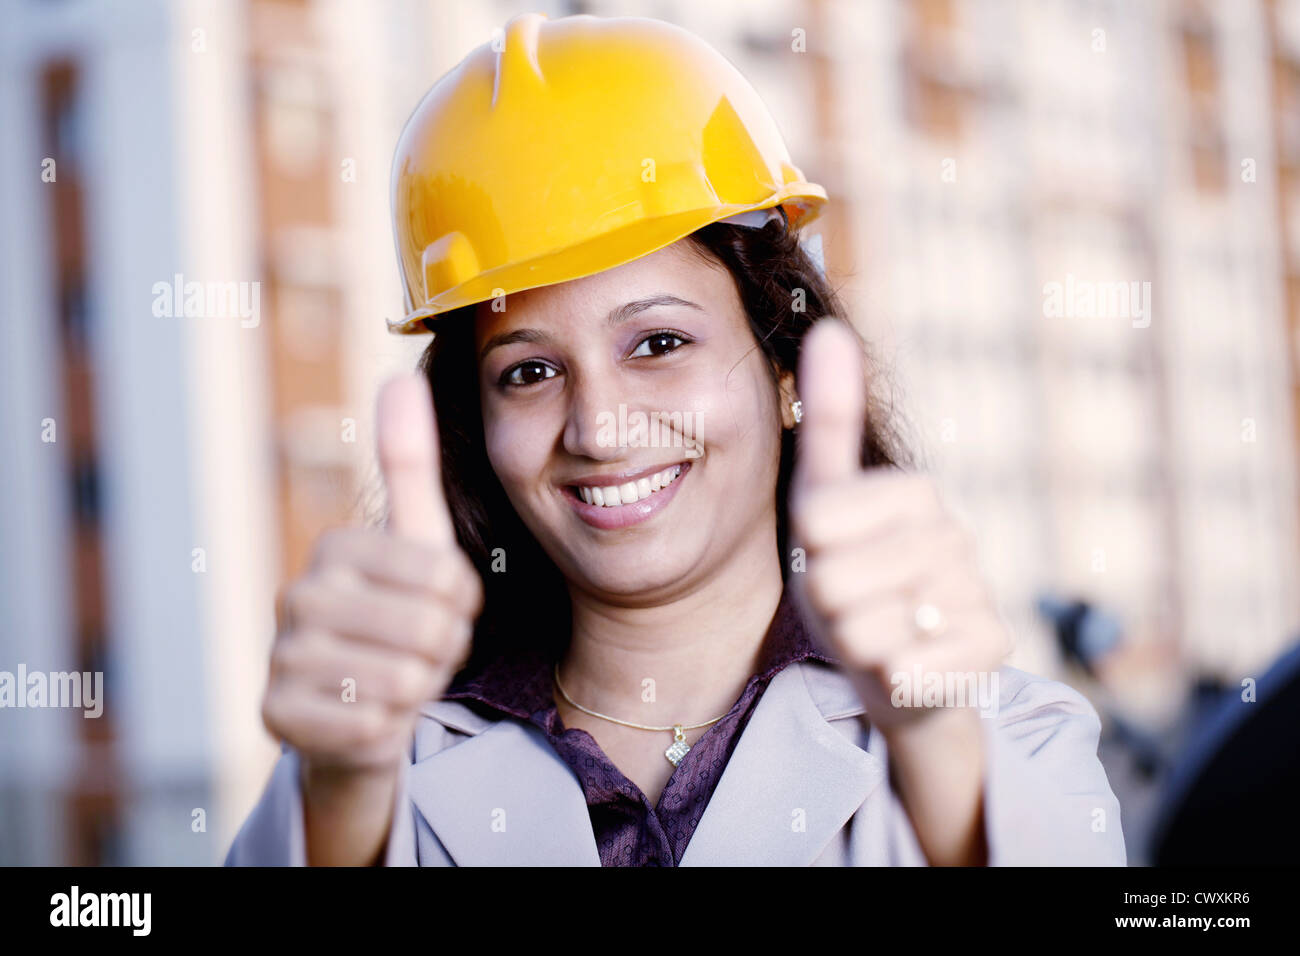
893 591
377 625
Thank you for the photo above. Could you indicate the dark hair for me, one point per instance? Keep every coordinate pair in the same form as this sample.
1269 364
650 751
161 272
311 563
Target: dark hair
770 268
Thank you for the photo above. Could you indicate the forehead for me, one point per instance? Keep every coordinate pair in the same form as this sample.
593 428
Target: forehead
677 269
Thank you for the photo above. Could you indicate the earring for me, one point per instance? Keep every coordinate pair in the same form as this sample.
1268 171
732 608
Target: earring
796 409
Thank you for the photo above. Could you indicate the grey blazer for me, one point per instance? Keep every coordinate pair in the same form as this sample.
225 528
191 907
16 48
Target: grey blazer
806 785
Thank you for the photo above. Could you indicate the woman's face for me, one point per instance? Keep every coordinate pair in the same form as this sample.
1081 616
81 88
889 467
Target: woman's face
597 390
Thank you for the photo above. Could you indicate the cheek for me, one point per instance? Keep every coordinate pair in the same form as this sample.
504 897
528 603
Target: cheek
516 449
738 415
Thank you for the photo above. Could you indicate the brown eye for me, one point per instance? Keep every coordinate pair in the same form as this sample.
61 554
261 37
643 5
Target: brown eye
527 373
659 343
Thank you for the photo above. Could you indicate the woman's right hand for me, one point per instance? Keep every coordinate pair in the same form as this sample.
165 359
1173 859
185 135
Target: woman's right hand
378 625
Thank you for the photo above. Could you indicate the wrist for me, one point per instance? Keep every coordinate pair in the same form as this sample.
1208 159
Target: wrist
330 784
937 768
347 814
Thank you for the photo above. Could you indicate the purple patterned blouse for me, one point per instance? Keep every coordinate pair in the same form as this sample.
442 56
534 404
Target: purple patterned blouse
629 831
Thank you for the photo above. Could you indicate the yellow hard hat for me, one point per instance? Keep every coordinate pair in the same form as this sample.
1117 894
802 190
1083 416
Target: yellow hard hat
571 146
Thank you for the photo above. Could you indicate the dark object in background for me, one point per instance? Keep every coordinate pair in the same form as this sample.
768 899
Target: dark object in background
1231 798
1086 634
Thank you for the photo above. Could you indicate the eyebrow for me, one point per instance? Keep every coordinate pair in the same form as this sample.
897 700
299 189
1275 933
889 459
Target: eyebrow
621 314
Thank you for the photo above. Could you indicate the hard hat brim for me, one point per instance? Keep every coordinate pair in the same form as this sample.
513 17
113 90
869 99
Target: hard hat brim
802 202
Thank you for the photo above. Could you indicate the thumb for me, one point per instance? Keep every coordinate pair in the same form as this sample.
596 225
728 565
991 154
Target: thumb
407 439
832 386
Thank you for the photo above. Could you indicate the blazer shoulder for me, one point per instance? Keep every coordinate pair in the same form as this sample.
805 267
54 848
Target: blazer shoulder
445 723
1022 694
1048 800
1018 693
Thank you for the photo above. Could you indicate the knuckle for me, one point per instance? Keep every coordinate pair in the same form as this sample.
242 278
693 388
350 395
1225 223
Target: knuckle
295 653
370 727
293 600
284 658
808 518
473 584
424 624
885 673
867 642
453 576
816 585
432 622
861 656
408 685
442 569
306 601
332 546
269 713
883 667
463 647
826 585
273 717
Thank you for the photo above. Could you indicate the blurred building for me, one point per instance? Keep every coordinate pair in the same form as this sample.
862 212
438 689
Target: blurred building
1147 461
989 165
194 457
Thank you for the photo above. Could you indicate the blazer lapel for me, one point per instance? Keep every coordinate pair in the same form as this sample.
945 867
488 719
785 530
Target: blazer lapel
504 797
793 780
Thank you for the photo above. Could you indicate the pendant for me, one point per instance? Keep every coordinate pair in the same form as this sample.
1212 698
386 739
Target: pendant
679 749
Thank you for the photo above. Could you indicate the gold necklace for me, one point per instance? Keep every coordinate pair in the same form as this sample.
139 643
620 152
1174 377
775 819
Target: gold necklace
675 753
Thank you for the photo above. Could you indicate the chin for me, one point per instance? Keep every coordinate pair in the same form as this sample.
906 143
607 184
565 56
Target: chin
629 568
647 559
631 591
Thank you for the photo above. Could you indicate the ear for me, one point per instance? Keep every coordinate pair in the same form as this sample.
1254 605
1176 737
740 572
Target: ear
786 396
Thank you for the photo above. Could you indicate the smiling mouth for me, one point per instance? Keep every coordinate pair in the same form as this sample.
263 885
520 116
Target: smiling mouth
627 493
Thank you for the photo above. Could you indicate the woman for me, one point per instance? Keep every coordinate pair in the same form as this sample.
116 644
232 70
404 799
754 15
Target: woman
652 590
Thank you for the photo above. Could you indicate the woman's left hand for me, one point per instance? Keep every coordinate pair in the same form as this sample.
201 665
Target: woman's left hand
893 590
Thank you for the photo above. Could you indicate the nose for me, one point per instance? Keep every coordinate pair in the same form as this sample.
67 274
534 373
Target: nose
591 429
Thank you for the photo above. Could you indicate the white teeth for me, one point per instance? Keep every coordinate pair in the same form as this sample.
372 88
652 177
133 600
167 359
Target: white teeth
611 496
